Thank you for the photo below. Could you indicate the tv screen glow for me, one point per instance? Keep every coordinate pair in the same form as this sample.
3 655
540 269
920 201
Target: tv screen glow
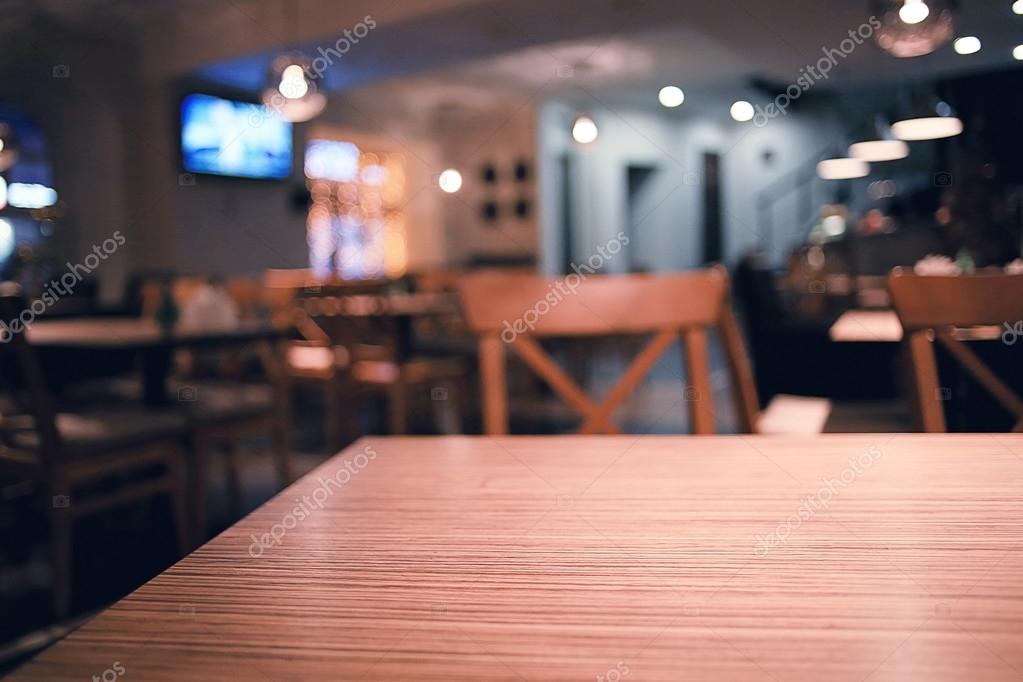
238 139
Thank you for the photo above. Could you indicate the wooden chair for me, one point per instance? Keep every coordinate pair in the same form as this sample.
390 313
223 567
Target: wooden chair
354 345
950 310
64 455
516 310
224 410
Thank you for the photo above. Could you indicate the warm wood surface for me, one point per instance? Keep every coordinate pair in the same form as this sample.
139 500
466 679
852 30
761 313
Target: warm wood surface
883 325
563 558
517 309
132 333
867 325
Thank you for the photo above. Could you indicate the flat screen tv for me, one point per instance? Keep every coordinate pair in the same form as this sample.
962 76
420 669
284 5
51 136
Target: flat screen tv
236 139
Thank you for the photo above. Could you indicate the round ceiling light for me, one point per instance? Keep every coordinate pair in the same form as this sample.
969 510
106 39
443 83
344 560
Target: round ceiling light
1017 53
842 169
914 11
290 92
879 150
929 128
584 130
967 45
741 111
912 28
671 96
450 181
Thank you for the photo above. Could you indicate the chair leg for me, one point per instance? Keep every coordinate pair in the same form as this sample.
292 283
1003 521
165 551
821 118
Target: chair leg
282 453
61 529
232 471
447 413
199 484
332 418
397 406
178 475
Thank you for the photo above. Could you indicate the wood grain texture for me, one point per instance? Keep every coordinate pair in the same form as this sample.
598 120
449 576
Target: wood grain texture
564 558
518 309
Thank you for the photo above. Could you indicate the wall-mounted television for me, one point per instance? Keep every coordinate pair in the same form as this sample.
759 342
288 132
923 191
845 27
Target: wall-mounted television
233 138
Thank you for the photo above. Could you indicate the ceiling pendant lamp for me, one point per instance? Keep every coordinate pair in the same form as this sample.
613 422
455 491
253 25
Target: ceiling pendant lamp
842 169
912 28
584 130
928 121
290 91
882 148
879 150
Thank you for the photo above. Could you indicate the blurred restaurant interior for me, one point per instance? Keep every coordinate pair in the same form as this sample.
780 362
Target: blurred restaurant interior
238 236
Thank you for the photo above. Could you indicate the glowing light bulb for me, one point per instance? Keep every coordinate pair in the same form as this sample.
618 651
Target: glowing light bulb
584 130
450 181
293 72
293 83
967 45
671 96
914 11
742 111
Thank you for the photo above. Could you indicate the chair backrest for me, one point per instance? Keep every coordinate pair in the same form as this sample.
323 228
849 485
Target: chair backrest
353 315
944 308
516 309
27 404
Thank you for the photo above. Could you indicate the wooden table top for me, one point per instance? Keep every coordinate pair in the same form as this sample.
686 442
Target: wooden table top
884 326
867 326
881 557
132 333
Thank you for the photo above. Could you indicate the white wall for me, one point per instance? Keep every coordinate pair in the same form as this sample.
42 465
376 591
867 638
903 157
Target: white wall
669 237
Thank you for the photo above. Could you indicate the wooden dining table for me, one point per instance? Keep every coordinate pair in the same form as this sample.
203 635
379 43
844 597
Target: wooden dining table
880 557
867 326
88 339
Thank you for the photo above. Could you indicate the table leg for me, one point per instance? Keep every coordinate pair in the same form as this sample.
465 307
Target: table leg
156 366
